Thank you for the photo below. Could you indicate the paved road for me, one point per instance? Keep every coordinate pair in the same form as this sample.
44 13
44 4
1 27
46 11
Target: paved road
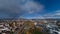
20 30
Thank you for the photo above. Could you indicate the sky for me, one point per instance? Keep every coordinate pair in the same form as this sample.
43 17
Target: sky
30 9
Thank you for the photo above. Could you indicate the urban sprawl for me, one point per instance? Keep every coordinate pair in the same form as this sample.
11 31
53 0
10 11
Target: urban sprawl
30 26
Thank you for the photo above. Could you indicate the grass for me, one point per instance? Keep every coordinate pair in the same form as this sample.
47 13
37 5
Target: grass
36 32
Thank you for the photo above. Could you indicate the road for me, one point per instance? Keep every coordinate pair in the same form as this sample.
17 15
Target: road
20 30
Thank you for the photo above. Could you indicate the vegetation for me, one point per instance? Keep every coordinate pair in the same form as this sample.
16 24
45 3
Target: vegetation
35 31
31 28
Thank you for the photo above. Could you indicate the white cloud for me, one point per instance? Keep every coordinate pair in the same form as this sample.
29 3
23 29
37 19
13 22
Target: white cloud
18 5
55 14
36 17
39 17
32 7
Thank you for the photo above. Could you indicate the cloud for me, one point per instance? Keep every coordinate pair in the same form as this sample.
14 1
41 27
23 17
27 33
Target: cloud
55 14
34 17
16 8
32 7
39 17
9 7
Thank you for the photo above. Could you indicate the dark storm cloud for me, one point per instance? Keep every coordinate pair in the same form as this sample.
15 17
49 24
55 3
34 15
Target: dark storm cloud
17 8
10 8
